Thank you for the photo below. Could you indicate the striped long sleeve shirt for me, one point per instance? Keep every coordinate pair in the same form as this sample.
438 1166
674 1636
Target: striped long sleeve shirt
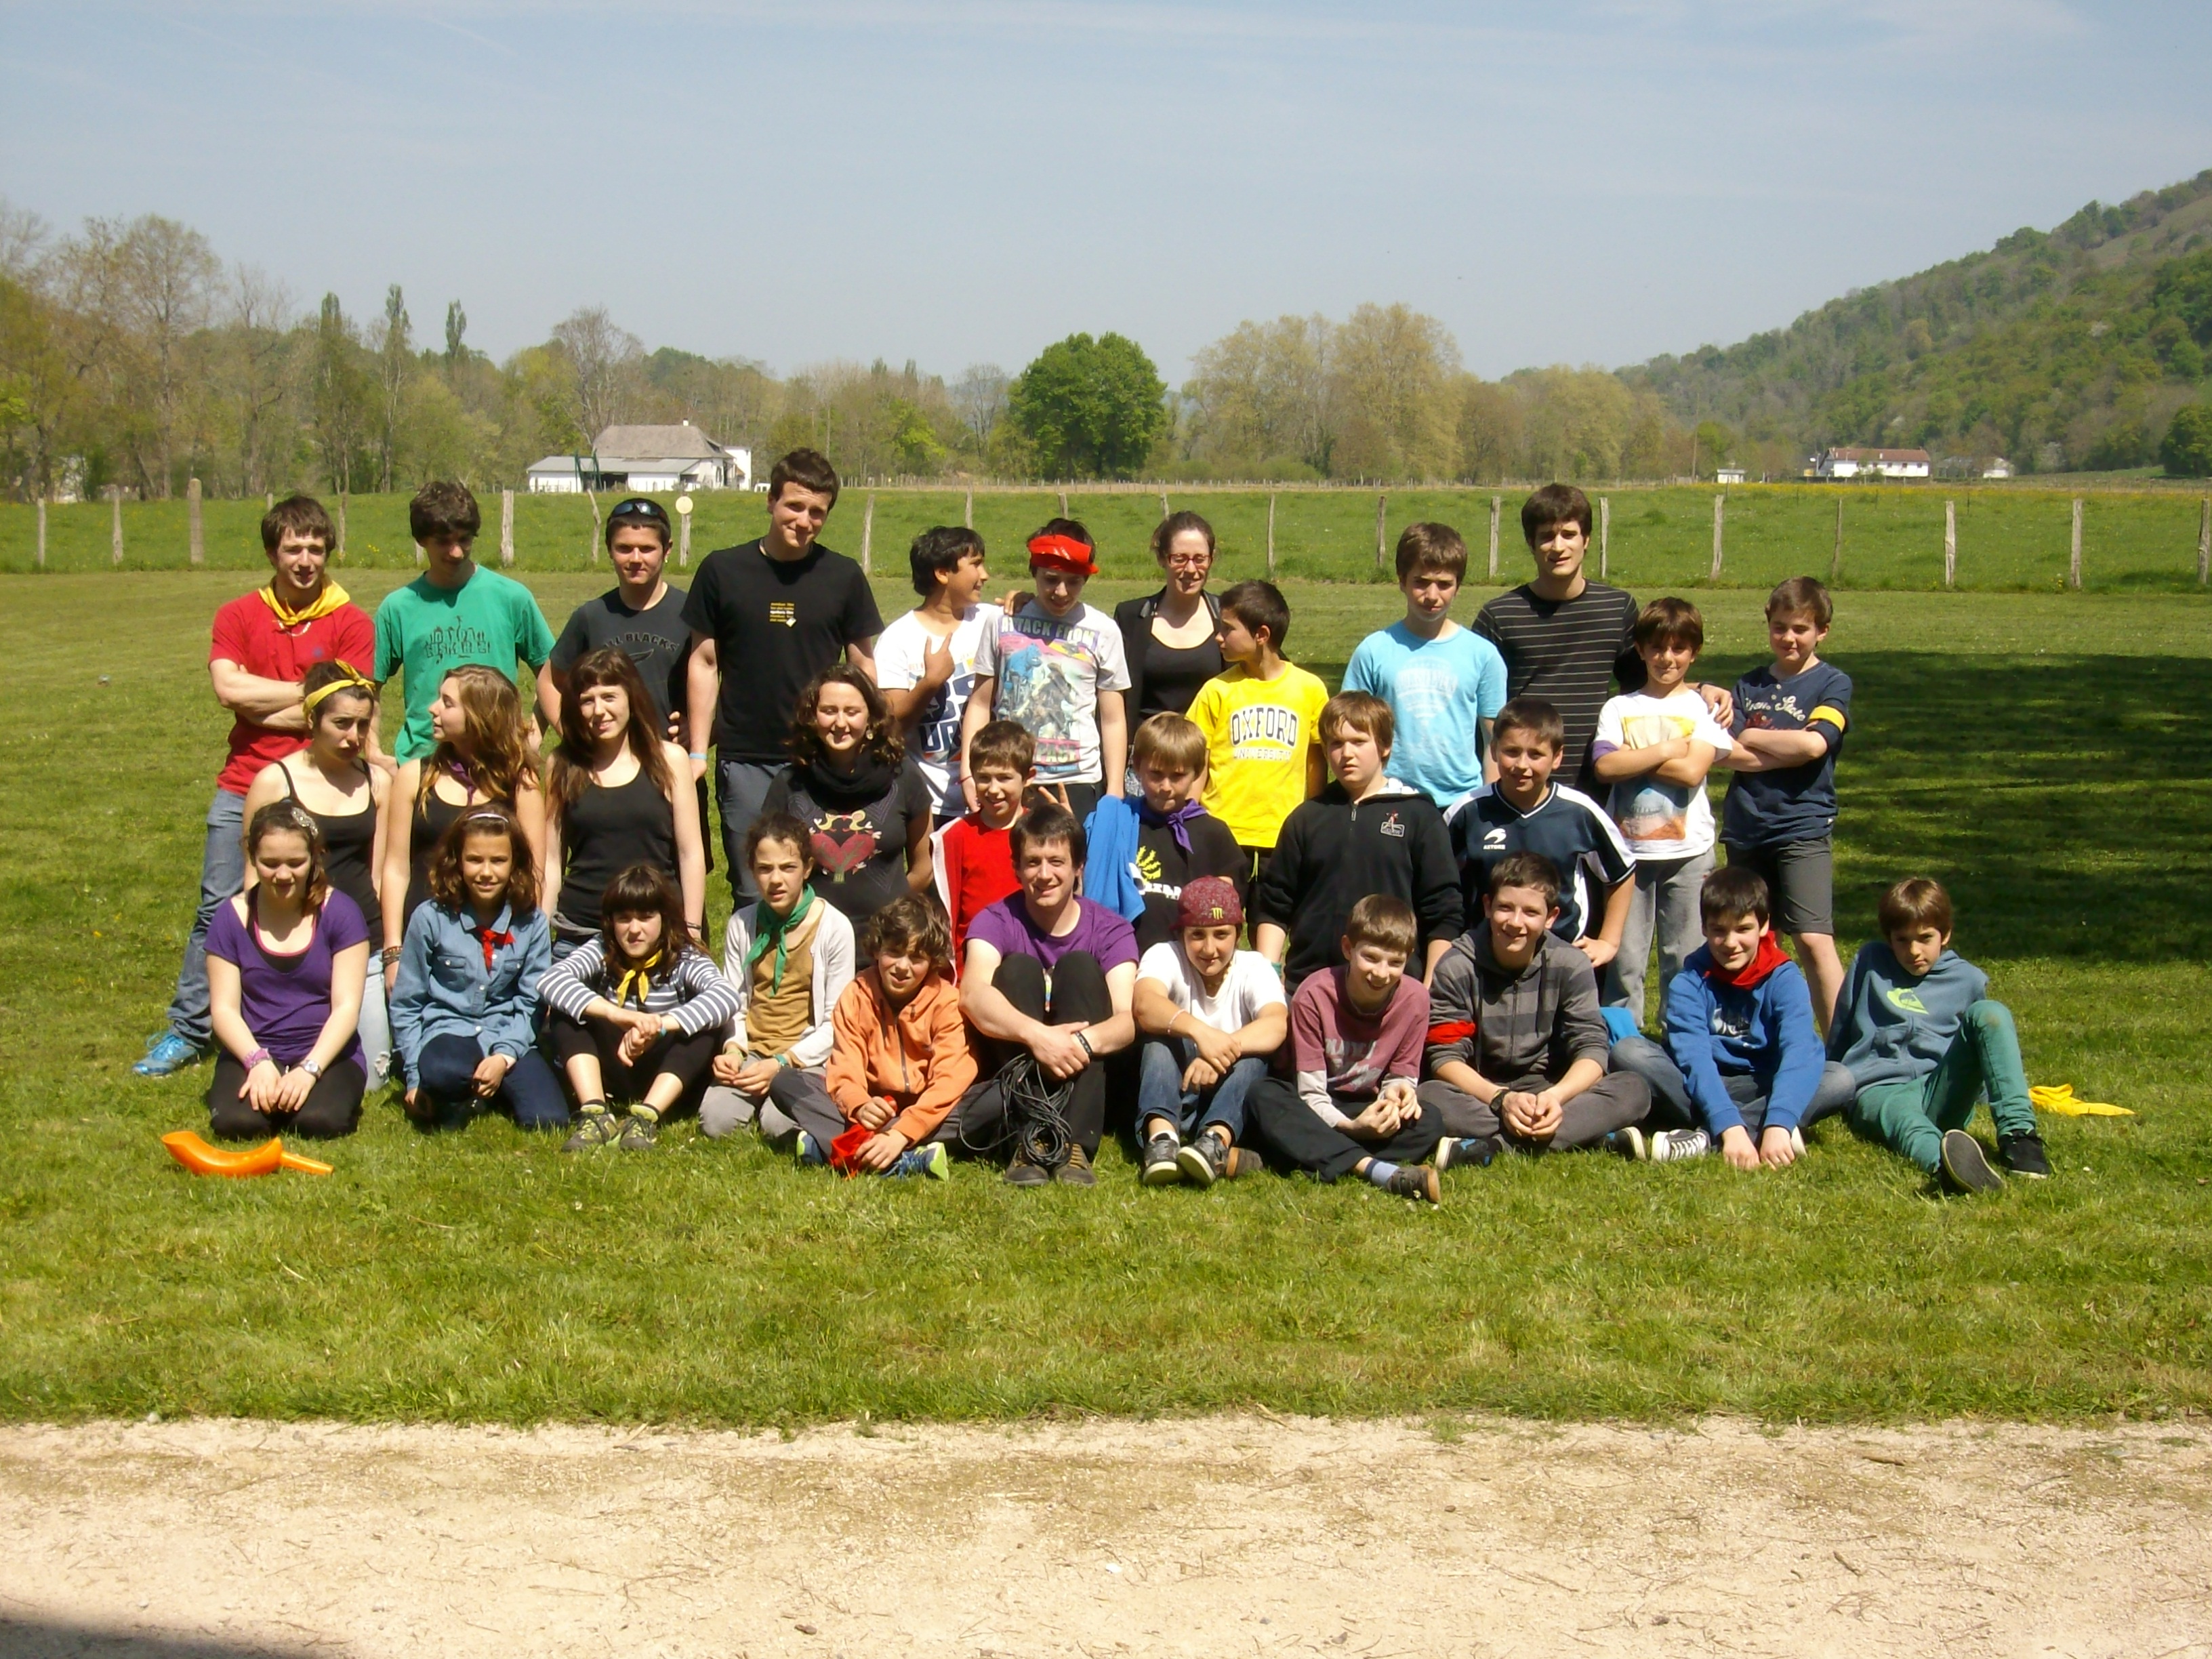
693 994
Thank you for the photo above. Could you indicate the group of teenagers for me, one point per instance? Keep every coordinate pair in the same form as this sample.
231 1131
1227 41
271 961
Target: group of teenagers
1006 868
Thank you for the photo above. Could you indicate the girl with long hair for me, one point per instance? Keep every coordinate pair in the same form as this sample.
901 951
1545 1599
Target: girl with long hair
333 782
867 805
620 795
481 758
635 1014
286 961
464 1011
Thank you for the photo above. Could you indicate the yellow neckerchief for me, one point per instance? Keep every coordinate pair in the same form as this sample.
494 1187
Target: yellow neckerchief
640 977
323 603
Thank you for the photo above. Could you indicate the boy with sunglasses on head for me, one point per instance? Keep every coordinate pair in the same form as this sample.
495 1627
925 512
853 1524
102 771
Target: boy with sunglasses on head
642 616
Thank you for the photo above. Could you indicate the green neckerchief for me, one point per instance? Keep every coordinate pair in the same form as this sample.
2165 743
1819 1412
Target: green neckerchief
770 929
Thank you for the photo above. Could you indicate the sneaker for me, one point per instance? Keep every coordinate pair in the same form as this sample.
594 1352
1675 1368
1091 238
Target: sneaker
1468 1151
168 1053
1163 1165
639 1133
1966 1167
1023 1173
2023 1154
1796 1140
1631 1143
807 1150
929 1161
1242 1161
600 1128
1204 1161
1076 1172
1417 1180
1672 1145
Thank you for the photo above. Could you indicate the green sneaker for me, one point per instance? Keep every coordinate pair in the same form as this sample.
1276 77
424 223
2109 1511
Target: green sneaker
639 1133
599 1128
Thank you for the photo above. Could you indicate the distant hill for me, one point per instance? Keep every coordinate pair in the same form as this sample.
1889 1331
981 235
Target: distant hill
2065 349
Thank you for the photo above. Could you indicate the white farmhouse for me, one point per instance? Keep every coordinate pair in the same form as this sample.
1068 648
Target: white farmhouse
1873 464
647 459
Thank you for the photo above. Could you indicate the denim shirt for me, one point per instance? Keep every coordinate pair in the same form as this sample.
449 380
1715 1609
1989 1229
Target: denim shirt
445 990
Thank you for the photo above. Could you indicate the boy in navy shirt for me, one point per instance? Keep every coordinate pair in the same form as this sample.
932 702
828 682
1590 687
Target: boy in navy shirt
1525 812
1781 807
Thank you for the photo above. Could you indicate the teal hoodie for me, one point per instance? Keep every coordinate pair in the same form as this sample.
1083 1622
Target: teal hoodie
1892 1028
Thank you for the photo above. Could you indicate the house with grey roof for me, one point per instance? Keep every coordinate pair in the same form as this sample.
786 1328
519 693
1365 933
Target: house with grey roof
645 459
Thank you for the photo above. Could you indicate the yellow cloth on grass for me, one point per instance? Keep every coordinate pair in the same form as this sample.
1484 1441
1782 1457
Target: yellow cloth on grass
2059 1097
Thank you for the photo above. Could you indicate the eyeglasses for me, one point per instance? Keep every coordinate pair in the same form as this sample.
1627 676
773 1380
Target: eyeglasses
1189 561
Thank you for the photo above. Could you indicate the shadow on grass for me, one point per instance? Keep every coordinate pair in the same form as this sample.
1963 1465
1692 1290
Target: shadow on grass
22 1639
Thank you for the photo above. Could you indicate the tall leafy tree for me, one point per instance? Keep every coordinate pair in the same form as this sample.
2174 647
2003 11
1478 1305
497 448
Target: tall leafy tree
1090 408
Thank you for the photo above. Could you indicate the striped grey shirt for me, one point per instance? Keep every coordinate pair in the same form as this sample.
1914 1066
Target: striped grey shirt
694 995
1566 652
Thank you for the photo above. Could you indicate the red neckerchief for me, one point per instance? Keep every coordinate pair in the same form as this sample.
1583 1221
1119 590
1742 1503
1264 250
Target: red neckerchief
1763 961
492 940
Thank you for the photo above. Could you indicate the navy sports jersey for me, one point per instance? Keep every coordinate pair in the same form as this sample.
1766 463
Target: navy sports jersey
1798 803
1567 827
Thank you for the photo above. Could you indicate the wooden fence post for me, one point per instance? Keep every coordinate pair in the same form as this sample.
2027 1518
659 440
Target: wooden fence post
1720 506
506 527
340 554
684 505
1604 536
1496 506
1164 504
42 533
591 554
1382 502
2073 565
1271 535
195 540
1950 543
269 501
1063 503
1836 560
968 517
2204 544
115 505
868 536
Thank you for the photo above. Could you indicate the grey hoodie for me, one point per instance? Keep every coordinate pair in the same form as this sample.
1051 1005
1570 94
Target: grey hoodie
1891 1027
1518 1029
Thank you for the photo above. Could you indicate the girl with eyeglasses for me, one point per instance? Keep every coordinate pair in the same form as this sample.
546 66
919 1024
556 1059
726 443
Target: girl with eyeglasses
1168 636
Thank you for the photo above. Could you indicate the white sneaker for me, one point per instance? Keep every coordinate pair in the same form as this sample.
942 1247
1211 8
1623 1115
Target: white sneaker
1672 1145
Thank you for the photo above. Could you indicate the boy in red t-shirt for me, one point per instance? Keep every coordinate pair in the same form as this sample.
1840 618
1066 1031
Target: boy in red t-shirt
264 643
976 853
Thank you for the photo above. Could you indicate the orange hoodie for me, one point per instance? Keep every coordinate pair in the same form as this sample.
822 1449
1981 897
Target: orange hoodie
917 1058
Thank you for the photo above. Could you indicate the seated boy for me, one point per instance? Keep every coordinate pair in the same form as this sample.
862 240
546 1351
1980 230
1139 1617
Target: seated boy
900 1064
1365 835
1262 721
1526 811
1516 1047
1923 1042
1210 1015
1742 1064
1781 805
1356 1035
1051 974
1444 683
1654 747
1143 851
974 862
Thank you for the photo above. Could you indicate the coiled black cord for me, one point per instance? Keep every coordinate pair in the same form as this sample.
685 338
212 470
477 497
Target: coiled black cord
1036 1112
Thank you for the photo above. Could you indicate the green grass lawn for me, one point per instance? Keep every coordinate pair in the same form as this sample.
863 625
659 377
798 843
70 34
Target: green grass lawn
2039 752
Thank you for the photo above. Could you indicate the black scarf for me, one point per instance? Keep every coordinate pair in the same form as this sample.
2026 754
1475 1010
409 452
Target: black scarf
841 793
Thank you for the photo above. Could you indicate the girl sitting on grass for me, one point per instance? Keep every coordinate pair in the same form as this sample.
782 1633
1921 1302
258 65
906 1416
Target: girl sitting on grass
468 971
636 1014
285 960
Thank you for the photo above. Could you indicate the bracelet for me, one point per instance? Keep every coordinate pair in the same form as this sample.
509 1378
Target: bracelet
1087 1049
256 1057
698 754
391 953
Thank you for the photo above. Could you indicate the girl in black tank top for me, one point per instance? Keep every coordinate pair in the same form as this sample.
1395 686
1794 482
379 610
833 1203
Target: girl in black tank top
341 794
349 849
607 829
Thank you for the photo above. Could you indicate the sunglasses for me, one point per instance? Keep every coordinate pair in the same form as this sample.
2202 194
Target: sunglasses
638 508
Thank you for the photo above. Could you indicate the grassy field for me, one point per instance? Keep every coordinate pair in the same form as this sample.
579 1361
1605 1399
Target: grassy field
2039 752
2011 538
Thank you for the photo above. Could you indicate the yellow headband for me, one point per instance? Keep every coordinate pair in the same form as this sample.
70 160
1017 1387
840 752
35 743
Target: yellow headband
352 682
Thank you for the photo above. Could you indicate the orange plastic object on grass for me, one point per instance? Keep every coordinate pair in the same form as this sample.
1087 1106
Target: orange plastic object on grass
195 1155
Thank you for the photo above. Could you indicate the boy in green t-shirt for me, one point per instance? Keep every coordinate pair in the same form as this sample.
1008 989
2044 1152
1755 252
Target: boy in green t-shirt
453 613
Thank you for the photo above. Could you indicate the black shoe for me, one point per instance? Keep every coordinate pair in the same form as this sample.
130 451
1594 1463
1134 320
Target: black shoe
1416 1180
1162 1167
1630 1143
599 1128
1966 1167
1023 1173
1209 1158
1469 1151
639 1133
1076 1172
2023 1154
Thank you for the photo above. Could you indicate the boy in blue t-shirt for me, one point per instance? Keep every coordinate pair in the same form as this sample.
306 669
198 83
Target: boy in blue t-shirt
1444 683
1780 813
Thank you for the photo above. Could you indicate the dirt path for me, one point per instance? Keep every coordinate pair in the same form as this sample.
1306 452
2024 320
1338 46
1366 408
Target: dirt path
1202 1537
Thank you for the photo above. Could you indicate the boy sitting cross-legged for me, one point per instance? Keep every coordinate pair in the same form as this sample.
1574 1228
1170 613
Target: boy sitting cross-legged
1356 1035
1210 1015
1742 1064
1923 1041
1516 1047
901 1065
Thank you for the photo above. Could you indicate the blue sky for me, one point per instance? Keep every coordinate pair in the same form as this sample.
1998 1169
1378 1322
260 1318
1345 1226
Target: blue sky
966 180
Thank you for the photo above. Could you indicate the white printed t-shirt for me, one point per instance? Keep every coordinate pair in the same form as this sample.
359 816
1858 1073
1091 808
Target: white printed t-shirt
1049 671
901 649
1658 819
1248 986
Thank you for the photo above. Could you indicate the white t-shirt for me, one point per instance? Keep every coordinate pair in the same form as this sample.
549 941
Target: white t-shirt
1658 819
935 742
1050 670
1248 986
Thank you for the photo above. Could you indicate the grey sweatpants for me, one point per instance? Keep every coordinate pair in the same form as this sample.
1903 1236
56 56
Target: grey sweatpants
1665 907
1614 1102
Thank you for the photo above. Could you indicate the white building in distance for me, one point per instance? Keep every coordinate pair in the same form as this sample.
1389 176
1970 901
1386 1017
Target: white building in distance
645 459
1873 464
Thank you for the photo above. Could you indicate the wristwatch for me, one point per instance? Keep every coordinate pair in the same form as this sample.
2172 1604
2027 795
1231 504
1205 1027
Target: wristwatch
309 1067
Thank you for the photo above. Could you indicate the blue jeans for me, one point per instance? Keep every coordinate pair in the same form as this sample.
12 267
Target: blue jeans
1160 1092
741 790
446 1079
223 877
1672 1108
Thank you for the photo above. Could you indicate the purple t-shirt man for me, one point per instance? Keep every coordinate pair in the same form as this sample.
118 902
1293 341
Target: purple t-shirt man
1006 928
285 1001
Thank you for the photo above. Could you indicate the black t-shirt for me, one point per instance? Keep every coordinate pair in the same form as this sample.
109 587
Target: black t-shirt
859 851
1163 868
657 640
775 625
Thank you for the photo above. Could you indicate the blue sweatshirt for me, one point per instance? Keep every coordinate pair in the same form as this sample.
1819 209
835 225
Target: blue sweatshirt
446 989
1892 1028
1716 1030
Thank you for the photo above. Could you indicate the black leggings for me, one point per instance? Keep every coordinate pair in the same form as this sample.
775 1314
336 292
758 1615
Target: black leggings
1079 994
1296 1138
331 1108
684 1058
